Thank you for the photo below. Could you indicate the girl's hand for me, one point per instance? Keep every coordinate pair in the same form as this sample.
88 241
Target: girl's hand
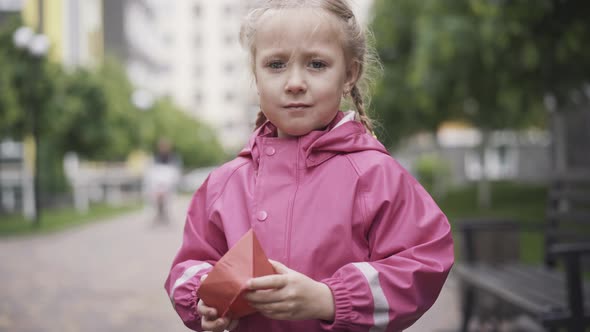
209 319
290 295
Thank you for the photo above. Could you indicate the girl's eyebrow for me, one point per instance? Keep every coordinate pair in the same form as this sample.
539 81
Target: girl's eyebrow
269 53
314 53
279 52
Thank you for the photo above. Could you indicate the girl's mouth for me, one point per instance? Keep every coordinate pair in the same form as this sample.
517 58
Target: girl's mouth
297 106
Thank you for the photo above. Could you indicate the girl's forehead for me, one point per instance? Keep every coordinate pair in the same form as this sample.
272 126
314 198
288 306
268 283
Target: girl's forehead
282 26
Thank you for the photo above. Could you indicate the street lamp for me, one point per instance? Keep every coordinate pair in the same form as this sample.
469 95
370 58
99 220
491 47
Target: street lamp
25 38
35 46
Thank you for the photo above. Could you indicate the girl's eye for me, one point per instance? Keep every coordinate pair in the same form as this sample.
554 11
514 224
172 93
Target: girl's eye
276 64
316 64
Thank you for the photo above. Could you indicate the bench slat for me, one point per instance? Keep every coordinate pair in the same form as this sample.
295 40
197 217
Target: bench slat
539 281
481 279
519 280
538 291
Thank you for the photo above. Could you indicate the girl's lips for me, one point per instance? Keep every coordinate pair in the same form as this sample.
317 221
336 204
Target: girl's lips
296 107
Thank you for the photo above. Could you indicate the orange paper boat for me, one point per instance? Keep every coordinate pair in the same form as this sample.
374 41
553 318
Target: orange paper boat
226 282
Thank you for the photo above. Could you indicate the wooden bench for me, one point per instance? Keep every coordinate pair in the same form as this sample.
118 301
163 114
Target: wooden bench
556 293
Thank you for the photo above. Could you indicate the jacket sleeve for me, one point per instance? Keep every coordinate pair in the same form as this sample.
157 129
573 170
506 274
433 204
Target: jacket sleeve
410 256
202 245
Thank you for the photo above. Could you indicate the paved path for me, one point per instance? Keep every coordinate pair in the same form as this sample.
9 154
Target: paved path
105 276
444 314
108 276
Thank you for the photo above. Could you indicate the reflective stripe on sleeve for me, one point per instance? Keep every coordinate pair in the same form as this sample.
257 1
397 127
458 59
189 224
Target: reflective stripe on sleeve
381 313
188 273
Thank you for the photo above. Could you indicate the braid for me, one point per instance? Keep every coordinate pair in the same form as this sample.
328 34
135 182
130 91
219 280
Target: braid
260 119
360 107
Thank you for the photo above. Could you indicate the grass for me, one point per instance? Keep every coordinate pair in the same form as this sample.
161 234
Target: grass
60 219
523 202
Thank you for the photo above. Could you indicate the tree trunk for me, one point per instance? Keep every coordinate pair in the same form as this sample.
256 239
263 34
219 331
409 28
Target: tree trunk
558 143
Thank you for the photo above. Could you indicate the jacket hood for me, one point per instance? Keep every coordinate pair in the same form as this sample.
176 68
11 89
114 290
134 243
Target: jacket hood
343 135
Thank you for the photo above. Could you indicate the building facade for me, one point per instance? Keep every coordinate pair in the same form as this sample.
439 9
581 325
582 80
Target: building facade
74 28
188 51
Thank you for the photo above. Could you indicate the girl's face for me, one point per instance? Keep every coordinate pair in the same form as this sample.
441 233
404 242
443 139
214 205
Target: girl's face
300 69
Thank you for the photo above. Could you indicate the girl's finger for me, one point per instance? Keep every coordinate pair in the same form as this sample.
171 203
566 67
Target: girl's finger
218 324
206 311
267 282
263 296
233 324
211 315
279 267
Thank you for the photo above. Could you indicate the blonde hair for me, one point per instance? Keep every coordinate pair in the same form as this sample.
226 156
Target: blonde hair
355 45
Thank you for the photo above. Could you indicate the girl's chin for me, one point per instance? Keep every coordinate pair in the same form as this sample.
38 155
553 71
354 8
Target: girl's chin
289 134
293 132
296 132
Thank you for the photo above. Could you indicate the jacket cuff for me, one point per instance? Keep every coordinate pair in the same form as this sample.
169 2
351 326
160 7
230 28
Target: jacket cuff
194 303
343 313
186 301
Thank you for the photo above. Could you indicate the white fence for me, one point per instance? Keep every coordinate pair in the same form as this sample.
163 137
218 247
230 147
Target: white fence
113 183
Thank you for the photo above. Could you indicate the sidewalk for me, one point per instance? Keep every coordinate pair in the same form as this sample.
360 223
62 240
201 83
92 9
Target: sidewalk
106 276
109 276
444 316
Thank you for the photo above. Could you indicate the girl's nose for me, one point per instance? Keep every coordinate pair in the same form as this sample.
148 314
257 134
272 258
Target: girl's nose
295 81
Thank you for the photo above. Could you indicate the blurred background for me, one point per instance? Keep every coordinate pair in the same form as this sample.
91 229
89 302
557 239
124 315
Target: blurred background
482 100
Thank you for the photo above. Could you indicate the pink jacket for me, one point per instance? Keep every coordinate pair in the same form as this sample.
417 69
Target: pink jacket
333 205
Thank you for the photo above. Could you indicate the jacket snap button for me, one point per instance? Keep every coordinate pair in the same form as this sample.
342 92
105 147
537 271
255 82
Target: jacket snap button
261 215
270 151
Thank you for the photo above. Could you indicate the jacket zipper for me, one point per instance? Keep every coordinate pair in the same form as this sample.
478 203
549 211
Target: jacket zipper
291 208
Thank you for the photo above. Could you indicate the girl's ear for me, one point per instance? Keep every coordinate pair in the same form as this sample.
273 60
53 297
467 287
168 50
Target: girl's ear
352 75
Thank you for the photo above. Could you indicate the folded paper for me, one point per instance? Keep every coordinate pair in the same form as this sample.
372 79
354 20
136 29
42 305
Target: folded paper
224 286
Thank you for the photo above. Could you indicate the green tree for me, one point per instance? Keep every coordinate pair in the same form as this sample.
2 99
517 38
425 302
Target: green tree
403 103
9 107
122 118
30 86
80 115
86 111
196 142
488 62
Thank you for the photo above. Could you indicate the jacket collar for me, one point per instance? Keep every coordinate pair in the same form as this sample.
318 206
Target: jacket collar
343 135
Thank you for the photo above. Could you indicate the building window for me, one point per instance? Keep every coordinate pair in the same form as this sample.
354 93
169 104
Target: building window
168 39
229 126
198 40
229 68
227 9
199 71
228 39
197 10
229 96
198 97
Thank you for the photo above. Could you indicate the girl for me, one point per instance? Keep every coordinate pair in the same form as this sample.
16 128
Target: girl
357 243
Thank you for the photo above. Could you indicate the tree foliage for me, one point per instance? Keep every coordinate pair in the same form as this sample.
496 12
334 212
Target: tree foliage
489 62
90 111
193 140
9 106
